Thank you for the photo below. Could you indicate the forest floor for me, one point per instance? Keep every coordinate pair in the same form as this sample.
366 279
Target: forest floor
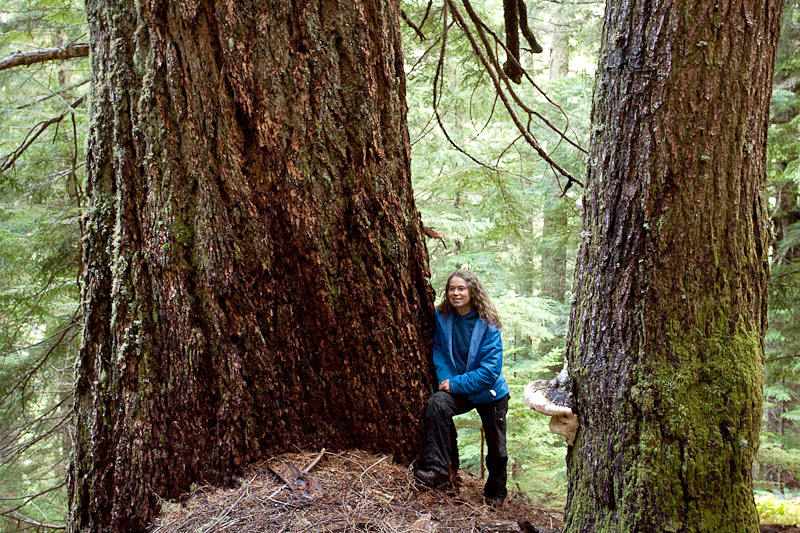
353 491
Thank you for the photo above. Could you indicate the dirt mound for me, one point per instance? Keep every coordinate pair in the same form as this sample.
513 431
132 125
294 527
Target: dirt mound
353 491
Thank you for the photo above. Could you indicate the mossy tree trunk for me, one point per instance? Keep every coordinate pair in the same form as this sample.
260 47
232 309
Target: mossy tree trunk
666 334
256 276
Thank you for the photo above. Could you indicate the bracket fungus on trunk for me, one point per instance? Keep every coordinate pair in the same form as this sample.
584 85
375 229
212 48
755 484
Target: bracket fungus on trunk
554 399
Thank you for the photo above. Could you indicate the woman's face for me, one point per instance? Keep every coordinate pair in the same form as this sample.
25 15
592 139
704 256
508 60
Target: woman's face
458 295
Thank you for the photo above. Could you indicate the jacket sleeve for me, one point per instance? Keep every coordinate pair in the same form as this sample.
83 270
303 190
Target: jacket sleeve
489 368
440 357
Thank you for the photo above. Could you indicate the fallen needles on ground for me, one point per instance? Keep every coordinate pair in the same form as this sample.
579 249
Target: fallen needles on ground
353 491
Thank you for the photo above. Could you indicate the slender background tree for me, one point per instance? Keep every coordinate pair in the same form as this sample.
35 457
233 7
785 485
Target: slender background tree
779 459
42 128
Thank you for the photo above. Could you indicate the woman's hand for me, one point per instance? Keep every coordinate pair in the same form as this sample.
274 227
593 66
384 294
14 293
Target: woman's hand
445 385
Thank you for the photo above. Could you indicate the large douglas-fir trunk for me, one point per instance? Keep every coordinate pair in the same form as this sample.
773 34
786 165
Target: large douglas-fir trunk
666 332
256 277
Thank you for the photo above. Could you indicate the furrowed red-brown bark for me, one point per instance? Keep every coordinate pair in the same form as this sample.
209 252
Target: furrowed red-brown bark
666 331
256 276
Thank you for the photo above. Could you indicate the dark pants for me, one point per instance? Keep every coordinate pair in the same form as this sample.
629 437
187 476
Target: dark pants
440 436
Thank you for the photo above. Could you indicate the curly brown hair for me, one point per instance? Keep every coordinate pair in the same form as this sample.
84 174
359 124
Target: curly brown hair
477 297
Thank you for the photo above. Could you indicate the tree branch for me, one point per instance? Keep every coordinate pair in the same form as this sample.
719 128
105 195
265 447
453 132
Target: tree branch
784 273
22 518
482 27
54 93
503 97
10 158
411 25
427 12
45 54
782 358
511 15
438 78
536 48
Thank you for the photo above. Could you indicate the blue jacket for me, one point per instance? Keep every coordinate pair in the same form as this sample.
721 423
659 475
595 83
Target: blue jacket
484 374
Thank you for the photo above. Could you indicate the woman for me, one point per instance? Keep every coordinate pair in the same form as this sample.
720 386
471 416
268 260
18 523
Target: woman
468 356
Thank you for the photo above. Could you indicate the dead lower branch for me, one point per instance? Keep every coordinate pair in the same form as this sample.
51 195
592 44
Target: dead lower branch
486 47
794 356
411 25
56 93
482 27
496 74
10 158
69 51
22 518
536 48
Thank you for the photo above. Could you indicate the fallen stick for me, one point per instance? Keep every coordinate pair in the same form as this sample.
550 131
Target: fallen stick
292 486
313 463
